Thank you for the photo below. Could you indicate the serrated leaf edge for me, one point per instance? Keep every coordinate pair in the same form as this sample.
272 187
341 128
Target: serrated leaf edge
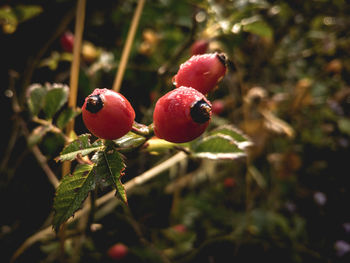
119 187
56 227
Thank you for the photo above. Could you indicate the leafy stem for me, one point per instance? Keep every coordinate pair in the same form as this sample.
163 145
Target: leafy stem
53 128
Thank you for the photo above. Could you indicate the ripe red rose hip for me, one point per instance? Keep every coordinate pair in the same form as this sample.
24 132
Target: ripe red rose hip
107 114
118 251
218 107
181 115
180 228
67 41
201 72
229 183
199 47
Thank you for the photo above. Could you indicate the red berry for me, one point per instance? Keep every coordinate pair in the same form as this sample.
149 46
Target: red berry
218 107
153 96
201 72
229 182
117 251
180 228
107 114
181 115
67 41
199 47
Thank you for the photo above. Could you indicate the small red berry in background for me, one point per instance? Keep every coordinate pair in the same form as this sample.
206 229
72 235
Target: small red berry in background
180 228
118 251
201 72
217 107
67 41
229 183
181 115
107 114
153 96
199 47
334 66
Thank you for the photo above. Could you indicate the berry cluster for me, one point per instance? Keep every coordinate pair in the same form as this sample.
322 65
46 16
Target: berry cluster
179 116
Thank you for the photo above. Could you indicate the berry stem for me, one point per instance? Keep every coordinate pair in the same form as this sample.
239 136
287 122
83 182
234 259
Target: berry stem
158 145
143 130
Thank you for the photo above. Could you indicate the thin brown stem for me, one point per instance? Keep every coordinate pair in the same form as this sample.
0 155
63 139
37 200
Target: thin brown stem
128 44
52 127
143 130
35 149
62 238
78 37
74 73
40 157
46 168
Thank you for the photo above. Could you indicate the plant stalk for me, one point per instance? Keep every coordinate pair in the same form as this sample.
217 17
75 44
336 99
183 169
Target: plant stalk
128 44
74 73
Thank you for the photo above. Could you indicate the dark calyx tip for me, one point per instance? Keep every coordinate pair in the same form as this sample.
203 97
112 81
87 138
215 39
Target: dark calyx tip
200 111
94 103
222 58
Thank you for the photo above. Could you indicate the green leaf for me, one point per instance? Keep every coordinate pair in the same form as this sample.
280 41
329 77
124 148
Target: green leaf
80 146
109 170
52 61
8 20
237 135
259 28
344 125
71 193
35 98
66 116
37 134
55 98
216 147
11 17
130 140
25 12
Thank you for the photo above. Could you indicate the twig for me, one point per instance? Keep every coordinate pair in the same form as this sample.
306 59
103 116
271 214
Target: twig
74 73
143 130
91 217
128 44
142 178
15 129
40 158
35 149
73 91
53 128
62 238
43 234
43 163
